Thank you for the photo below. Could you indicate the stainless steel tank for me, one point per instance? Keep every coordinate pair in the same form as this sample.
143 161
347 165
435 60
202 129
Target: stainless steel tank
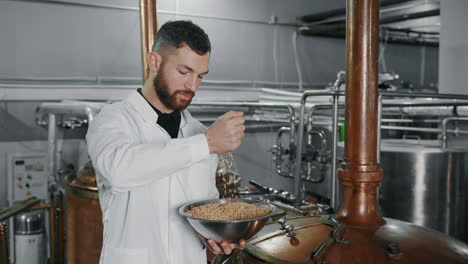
425 185
30 238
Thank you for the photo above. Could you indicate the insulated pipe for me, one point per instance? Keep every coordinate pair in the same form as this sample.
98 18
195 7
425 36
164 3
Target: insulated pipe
292 113
149 27
360 172
68 107
51 150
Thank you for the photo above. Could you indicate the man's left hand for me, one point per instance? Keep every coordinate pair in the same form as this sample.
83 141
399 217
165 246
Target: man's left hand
223 247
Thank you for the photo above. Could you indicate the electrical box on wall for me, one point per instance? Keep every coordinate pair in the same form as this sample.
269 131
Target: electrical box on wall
27 176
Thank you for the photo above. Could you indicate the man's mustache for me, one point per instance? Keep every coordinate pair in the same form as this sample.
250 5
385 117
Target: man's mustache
185 92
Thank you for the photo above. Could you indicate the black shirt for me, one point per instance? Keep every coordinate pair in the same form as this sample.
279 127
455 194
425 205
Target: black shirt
170 122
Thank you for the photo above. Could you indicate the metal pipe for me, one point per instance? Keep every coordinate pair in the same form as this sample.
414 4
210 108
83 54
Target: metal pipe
333 180
445 122
4 243
292 125
300 136
425 95
405 120
379 124
51 150
335 103
149 27
279 151
424 129
341 78
323 145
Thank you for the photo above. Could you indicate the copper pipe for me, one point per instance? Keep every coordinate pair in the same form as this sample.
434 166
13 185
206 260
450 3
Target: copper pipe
18 208
149 27
4 243
40 207
52 234
60 229
360 172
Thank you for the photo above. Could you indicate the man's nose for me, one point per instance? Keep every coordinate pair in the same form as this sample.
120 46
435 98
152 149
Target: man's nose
192 83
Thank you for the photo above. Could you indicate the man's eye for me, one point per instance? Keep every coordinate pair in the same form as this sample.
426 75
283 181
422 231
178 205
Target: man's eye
183 72
201 76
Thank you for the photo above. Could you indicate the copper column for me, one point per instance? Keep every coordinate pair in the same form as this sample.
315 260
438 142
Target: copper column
149 27
360 172
4 243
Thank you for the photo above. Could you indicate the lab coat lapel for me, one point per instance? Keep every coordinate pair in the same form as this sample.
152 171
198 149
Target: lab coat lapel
142 107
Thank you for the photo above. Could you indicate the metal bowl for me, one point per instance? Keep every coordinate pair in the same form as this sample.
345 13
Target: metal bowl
232 231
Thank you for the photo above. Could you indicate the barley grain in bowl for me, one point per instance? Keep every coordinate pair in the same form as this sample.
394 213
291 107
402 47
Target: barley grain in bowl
228 219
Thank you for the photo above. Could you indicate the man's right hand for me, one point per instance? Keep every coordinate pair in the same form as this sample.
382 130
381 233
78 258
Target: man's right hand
226 134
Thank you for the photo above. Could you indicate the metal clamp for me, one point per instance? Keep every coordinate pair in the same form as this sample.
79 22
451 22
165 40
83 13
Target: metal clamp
290 230
282 222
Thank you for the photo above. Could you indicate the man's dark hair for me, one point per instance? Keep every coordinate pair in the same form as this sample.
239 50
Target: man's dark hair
176 33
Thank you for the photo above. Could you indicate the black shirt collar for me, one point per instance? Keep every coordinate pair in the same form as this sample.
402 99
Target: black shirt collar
170 122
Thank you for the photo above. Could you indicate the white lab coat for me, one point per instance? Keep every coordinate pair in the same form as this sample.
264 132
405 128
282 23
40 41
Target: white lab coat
143 177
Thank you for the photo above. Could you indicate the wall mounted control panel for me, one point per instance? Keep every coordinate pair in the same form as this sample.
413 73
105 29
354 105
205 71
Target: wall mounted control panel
27 176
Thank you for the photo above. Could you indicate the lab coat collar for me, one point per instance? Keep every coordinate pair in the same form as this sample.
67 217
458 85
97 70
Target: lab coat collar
147 113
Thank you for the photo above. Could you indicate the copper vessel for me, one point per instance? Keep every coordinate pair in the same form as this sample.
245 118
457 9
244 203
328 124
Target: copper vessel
83 218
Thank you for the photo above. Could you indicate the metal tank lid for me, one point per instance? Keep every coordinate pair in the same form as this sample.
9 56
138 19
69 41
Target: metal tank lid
29 223
84 183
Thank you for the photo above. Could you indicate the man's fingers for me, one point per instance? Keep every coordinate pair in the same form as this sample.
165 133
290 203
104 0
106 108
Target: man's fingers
214 247
238 129
226 247
237 121
233 114
242 244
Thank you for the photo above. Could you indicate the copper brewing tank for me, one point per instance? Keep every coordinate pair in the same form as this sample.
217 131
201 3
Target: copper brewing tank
83 218
358 233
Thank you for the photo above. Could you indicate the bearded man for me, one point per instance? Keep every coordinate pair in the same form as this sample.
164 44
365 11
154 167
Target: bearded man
151 156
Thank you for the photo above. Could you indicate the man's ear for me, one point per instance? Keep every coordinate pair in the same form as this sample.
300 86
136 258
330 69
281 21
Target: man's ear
154 60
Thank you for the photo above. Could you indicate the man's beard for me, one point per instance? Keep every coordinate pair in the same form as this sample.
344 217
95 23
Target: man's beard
170 100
